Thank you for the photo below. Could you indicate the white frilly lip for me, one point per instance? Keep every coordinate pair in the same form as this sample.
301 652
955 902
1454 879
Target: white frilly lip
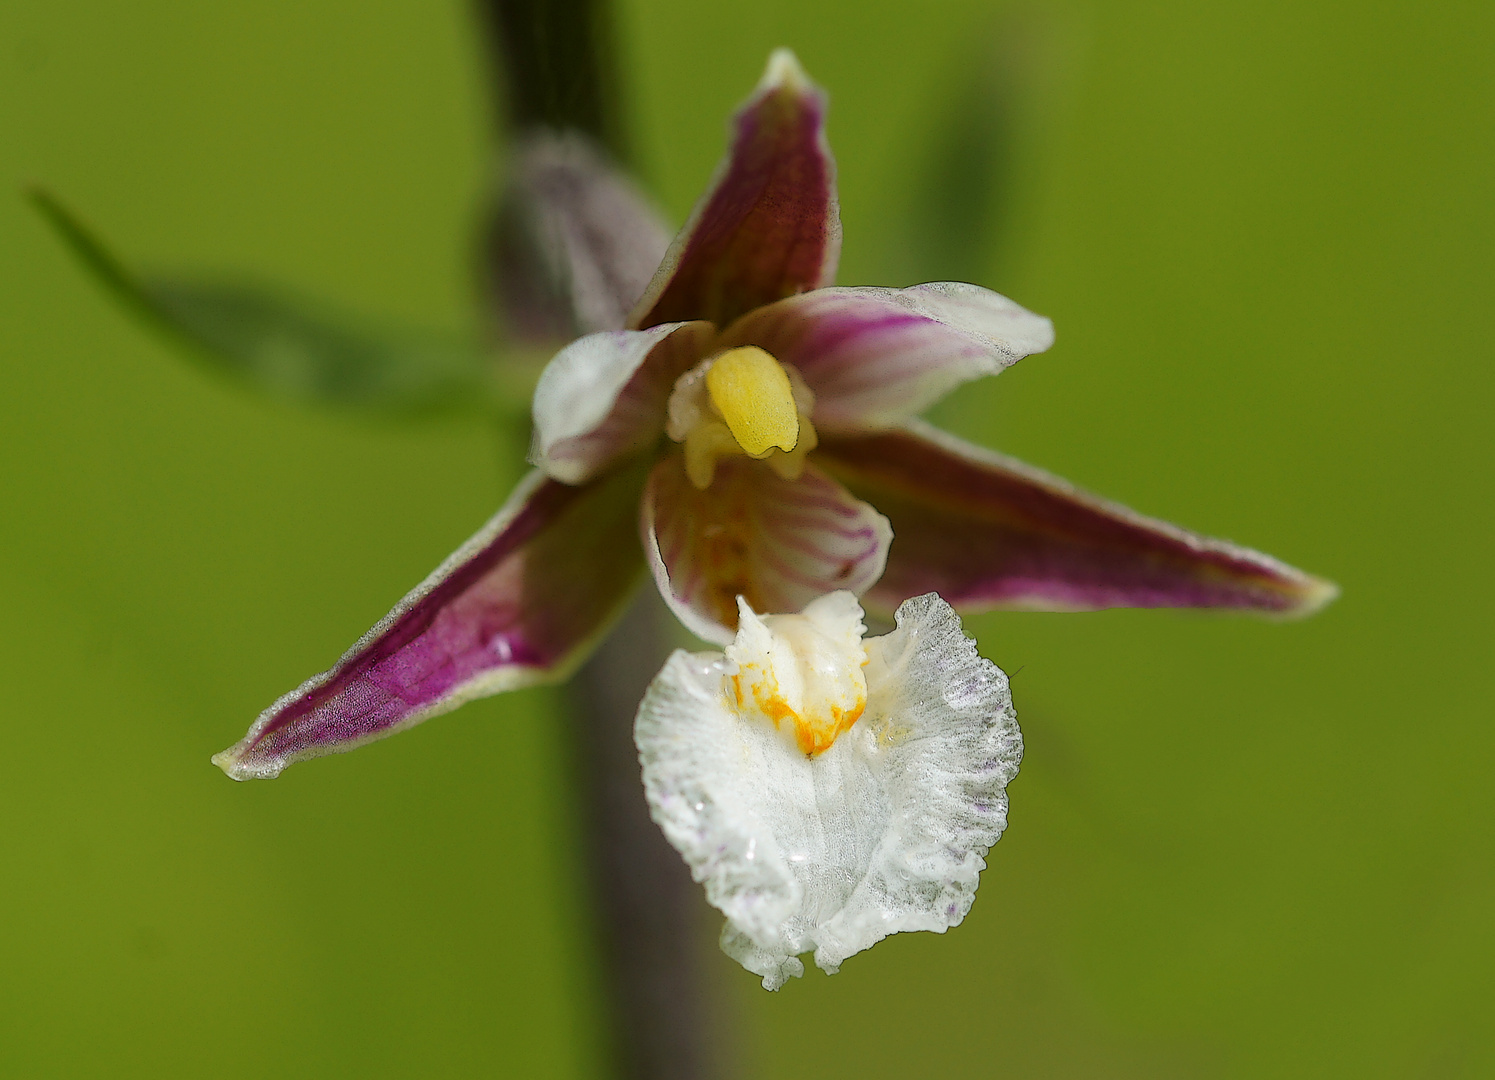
885 831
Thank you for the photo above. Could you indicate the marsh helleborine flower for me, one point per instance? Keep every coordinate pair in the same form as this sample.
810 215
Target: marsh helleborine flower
757 427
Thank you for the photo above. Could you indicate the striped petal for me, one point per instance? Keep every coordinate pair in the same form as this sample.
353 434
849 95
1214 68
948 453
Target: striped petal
777 543
875 357
769 226
986 531
604 396
520 603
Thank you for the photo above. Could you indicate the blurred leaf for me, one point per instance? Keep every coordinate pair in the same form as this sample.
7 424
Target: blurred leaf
960 220
295 349
290 348
96 258
956 218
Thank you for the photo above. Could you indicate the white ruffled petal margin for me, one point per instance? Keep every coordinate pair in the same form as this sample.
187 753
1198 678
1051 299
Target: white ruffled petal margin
884 831
604 396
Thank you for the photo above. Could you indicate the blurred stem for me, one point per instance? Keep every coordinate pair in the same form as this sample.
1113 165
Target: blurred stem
556 68
960 222
647 911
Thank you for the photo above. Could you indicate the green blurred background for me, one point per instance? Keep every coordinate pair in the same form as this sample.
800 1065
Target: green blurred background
1237 849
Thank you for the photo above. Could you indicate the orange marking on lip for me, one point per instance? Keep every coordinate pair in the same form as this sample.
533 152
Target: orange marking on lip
814 738
813 735
774 707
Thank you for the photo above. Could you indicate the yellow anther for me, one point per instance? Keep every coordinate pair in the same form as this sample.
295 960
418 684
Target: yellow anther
751 391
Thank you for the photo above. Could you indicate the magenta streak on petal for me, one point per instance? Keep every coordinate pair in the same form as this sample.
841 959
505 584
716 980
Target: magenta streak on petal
986 531
815 584
824 341
830 339
808 519
874 357
769 227
877 368
808 547
511 607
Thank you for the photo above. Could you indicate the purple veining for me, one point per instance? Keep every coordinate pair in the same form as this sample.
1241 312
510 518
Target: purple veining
738 538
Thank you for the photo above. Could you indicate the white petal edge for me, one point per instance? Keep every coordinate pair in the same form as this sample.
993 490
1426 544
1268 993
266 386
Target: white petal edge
580 393
979 311
884 832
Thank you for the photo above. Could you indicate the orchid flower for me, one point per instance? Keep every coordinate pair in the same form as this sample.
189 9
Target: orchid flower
830 791
758 428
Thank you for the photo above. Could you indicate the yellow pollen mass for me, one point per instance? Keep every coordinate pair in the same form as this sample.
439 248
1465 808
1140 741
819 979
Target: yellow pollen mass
751 390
